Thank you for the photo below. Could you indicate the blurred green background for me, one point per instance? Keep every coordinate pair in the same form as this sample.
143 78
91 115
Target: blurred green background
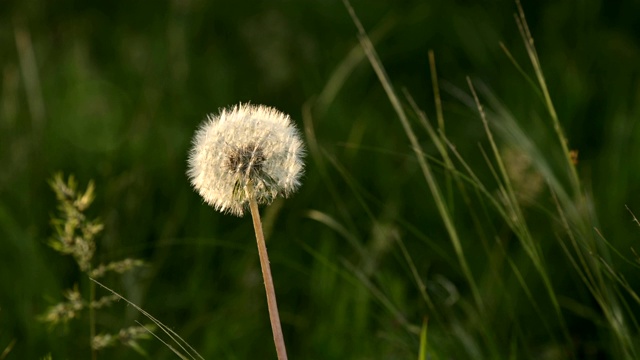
114 90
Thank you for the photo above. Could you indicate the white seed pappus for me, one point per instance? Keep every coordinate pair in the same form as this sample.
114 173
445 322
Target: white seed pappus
247 149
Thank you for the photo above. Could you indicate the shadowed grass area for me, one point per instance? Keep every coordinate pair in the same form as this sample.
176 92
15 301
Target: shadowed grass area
485 223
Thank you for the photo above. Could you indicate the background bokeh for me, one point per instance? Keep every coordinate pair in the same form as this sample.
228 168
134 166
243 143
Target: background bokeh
114 90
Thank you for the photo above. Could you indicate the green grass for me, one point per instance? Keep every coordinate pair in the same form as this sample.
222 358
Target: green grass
440 193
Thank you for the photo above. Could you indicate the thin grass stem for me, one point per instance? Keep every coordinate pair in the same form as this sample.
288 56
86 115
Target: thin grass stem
92 317
167 330
535 61
440 118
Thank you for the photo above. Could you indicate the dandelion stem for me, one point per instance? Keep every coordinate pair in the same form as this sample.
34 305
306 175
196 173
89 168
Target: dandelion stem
268 281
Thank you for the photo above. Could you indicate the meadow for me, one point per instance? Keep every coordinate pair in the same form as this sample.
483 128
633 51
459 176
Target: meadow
470 189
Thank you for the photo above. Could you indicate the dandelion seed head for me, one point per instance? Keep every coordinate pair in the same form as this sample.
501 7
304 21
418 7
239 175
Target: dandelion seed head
247 147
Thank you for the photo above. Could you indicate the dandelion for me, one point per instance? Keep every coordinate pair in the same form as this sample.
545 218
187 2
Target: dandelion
246 152
243 157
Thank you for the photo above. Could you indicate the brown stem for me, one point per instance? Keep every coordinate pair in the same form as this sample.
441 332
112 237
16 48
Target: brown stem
268 282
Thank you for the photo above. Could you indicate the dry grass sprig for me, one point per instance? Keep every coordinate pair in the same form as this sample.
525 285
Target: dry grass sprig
75 235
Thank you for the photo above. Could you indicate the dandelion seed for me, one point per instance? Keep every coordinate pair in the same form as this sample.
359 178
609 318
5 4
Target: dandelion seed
247 147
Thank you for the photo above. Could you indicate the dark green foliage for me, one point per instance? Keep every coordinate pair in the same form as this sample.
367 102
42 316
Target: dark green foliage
113 91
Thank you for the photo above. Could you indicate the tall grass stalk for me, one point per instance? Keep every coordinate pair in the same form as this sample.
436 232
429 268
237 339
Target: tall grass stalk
515 216
589 256
426 170
527 38
593 256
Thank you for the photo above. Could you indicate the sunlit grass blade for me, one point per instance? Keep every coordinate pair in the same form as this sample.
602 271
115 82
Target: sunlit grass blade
318 154
333 224
423 341
382 298
339 76
8 349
